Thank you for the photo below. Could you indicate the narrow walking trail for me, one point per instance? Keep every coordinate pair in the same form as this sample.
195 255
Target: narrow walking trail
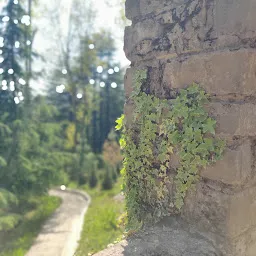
61 232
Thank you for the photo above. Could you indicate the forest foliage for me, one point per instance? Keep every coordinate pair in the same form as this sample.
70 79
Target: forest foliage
65 134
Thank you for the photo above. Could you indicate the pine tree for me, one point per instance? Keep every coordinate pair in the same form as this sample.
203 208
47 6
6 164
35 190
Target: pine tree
110 91
13 48
93 180
91 87
107 182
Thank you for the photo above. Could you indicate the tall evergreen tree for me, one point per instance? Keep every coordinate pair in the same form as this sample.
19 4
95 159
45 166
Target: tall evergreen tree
90 88
13 47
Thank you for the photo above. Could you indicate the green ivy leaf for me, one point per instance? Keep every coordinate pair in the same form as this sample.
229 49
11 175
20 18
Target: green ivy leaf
160 126
209 126
119 123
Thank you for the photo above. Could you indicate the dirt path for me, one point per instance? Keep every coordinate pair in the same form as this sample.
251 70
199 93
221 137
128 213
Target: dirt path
61 232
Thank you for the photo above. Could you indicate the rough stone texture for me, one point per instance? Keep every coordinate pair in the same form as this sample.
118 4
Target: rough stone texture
114 250
212 43
219 73
237 119
219 210
189 26
236 166
128 81
171 237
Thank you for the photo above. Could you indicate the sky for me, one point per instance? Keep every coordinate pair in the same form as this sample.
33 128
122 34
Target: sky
45 39
105 18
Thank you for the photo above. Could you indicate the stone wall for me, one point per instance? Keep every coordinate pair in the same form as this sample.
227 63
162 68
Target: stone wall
212 43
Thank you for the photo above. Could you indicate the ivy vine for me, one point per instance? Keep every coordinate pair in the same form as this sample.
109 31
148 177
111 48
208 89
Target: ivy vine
161 130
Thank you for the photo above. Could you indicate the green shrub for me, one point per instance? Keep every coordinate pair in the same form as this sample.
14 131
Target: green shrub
17 241
101 225
114 174
93 180
107 182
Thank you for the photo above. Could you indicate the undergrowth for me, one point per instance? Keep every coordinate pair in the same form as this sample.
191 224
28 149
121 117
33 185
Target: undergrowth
101 226
18 241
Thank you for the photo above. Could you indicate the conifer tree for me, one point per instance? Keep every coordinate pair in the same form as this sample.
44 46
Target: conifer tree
13 47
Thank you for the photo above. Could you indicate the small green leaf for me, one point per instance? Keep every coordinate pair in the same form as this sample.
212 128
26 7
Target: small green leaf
119 122
209 126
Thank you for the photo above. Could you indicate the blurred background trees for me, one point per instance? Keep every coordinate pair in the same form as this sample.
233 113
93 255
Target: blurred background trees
64 134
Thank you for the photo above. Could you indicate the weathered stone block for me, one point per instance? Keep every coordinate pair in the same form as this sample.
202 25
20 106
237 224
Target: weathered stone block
243 245
171 237
237 16
152 7
247 244
234 119
207 208
242 210
210 42
128 111
221 212
128 82
219 73
132 9
140 35
187 27
235 168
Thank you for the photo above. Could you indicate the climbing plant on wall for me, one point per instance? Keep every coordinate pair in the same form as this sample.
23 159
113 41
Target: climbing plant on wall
162 130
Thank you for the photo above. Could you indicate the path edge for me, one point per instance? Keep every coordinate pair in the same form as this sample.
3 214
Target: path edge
71 247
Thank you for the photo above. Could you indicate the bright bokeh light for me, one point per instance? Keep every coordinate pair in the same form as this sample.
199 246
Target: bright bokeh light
1 51
113 85
1 71
15 1
12 87
28 42
10 71
92 81
79 95
111 71
102 84
64 71
116 69
17 44
1 59
22 81
99 69
16 100
15 21
91 46
25 20
5 18
4 88
21 98
19 94
1 42
60 88
63 187
4 82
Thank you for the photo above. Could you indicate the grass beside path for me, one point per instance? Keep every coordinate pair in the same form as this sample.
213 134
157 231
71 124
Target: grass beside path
100 222
18 241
